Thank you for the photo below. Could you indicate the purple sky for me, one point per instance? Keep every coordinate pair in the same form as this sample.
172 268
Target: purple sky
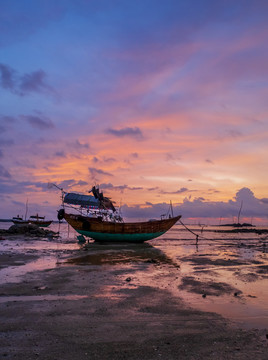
153 100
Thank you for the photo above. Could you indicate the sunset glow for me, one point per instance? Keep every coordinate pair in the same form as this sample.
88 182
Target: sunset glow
154 101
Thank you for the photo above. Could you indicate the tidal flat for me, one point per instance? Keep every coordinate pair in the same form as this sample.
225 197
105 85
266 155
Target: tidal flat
169 298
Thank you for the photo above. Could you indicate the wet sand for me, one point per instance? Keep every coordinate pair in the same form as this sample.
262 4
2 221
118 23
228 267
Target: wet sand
119 302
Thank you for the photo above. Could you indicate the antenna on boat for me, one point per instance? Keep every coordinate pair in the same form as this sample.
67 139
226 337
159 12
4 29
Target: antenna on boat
171 208
50 185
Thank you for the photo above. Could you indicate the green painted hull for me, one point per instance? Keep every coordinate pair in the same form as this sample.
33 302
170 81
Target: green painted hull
43 225
134 238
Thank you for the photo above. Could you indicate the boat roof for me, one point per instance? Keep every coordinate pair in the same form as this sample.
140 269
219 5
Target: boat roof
78 199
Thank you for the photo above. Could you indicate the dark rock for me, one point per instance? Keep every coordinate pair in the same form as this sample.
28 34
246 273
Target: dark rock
152 261
30 230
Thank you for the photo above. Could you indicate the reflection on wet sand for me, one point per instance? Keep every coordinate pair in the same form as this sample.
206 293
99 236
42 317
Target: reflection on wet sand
210 287
113 254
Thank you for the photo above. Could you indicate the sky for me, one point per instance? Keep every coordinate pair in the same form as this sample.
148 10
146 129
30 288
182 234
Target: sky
153 100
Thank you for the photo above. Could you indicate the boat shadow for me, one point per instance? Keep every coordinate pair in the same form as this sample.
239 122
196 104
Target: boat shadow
119 253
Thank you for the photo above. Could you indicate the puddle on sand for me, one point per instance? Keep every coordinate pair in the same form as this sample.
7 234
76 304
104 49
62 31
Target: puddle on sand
236 289
248 312
47 250
14 274
48 297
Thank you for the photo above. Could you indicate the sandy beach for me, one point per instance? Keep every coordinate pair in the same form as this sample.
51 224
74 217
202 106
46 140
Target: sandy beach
120 302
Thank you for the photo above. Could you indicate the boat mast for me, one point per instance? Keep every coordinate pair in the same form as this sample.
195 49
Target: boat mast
26 209
238 217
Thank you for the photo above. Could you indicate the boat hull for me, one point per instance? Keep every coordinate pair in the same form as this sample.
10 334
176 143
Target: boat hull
40 223
104 231
20 222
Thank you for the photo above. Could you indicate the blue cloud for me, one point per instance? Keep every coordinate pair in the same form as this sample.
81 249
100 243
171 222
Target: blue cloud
4 173
38 122
33 82
127 131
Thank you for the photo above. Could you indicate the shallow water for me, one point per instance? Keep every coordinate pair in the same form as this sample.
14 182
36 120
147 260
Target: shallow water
229 272
225 273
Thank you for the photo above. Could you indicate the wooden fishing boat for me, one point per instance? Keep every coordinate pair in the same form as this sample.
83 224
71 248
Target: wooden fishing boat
106 231
103 223
39 220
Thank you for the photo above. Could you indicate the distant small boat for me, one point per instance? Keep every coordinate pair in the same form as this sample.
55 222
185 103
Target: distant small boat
99 220
19 220
39 221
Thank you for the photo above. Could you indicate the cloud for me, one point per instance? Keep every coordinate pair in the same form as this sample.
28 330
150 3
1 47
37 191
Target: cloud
8 119
82 183
60 154
7 77
126 132
79 146
234 133
209 161
169 157
148 212
6 142
109 186
120 188
4 173
71 184
25 163
153 188
12 186
38 122
33 82
103 159
108 160
180 191
26 19
199 208
245 194
96 172
214 191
